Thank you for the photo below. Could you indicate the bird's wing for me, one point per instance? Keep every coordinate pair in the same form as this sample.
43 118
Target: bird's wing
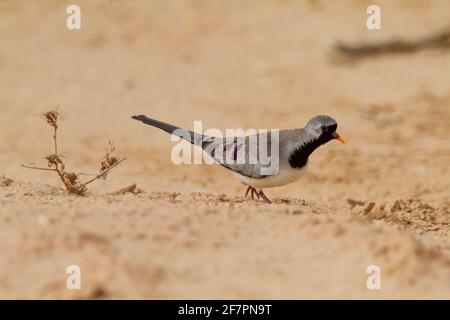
250 156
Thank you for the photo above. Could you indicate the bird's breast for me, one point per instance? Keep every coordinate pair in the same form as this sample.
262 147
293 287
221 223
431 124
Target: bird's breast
285 175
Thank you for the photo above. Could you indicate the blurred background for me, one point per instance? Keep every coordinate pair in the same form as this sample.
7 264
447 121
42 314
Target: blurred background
232 64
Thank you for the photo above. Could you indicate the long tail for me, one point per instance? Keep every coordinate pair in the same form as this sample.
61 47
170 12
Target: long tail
192 137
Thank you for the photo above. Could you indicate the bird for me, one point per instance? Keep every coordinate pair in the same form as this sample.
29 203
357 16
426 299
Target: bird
291 149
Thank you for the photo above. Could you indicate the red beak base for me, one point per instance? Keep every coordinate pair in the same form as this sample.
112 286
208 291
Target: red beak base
338 137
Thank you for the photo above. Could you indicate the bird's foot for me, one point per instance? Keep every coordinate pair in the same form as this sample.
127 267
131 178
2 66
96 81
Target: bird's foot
267 200
259 194
252 191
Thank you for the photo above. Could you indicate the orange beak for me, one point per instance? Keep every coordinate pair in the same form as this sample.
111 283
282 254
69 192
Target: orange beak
338 137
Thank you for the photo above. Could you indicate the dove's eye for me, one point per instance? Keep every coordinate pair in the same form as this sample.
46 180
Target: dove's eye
324 128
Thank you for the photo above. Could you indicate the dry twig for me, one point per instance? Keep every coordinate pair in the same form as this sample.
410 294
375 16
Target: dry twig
132 188
71 180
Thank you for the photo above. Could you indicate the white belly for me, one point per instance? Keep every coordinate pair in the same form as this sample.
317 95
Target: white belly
284 176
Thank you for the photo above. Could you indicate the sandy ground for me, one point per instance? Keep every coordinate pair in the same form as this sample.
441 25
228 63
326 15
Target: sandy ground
231 64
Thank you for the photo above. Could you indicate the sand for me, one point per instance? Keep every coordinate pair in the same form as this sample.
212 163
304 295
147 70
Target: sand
382 199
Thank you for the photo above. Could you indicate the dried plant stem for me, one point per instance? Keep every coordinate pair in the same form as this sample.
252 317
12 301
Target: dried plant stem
104 171
56 169
55 163
61 174
69 187
55 140
37 168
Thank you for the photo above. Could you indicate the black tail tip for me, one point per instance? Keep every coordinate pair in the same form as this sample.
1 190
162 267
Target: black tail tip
140 117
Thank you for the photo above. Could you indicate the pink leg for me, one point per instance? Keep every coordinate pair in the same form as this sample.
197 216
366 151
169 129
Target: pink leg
252 192
248 190
267 200
259 194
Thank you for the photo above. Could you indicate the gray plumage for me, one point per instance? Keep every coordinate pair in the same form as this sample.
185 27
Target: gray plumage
242 154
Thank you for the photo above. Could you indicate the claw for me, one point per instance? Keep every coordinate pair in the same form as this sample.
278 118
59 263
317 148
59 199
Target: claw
259 194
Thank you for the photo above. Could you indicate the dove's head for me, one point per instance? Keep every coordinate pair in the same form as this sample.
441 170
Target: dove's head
323 128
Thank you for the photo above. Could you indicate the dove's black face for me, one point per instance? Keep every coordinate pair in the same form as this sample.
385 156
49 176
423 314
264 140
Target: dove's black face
324 129
321 129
